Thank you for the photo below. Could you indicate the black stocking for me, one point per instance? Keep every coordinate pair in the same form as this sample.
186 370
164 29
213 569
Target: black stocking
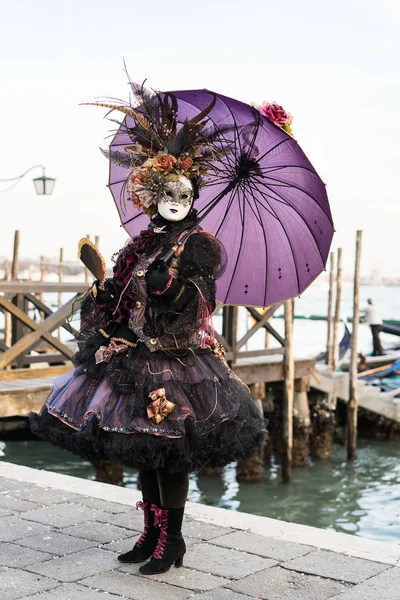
173 488
149 485
163 488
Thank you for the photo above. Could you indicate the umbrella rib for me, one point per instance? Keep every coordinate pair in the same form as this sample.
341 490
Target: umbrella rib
227 209
266 249
284 202
259 158
238 253
296 187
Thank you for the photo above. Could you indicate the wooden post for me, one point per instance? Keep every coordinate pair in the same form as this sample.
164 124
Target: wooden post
7 315
229 329
301 423
14 268
352 407
329 349
252 468
60 278
288 393
335 351
97 240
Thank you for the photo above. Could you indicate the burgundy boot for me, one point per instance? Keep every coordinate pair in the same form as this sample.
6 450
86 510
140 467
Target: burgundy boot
147 542
171 546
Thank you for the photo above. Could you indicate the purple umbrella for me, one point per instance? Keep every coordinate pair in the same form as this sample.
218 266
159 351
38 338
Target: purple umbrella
265 202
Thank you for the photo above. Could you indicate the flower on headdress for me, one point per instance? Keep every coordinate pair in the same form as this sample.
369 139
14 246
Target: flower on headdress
277 114
164 163
160 407
186 163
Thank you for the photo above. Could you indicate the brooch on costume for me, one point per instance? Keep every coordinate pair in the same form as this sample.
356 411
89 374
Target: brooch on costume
105 353
159 229
216 348
160 407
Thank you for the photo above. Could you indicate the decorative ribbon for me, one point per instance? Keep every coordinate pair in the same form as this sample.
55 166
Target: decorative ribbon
160 407
105 353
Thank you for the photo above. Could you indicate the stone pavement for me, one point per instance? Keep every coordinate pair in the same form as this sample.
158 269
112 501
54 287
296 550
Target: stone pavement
61 536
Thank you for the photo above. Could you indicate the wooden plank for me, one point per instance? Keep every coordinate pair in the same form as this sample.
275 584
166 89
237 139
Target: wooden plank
254 313
34 287
48 311
267 314
41 330
17 374
22 402
270 372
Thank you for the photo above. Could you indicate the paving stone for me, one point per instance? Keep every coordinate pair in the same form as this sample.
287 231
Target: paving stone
75 566
268 547
98 532
73 591
222 594
13 528
136 588
185 578
120 546
43 495
7 485
278 583
132 519
12 555
105 505
203 531
384 586
5 512
336 566
15 504
225 562
56 543
62 515
15 583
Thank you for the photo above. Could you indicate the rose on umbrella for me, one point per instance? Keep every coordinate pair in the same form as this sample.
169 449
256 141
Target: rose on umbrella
277 114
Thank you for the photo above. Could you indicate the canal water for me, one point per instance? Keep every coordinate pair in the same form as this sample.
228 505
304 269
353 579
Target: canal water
362 498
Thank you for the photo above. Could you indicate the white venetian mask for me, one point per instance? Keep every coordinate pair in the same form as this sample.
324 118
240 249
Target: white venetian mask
175 200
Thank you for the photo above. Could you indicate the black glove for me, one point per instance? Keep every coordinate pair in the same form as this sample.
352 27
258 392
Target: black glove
157 275
103 292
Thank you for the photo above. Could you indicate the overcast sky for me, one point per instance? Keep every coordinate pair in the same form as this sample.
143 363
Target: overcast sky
334 65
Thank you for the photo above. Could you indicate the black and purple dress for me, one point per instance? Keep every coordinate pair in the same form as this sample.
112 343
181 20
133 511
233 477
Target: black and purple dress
150 387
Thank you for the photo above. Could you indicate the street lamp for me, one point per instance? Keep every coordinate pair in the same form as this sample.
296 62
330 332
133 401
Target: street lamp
43 185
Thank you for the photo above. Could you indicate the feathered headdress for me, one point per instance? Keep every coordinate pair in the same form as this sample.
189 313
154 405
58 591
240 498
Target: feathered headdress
162 148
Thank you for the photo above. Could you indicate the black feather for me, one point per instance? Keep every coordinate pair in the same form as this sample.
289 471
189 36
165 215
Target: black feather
181 142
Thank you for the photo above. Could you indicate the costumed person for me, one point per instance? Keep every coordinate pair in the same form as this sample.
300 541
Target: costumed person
150 386
374 320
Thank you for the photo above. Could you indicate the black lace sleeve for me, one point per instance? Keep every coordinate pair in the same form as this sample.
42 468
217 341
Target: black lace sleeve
191 302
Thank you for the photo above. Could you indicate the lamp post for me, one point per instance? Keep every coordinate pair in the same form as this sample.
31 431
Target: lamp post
43 185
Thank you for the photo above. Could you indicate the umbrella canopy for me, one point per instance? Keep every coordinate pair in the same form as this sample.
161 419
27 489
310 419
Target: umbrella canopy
272 212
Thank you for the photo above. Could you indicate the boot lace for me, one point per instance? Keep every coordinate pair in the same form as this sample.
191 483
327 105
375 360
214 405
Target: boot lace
160 520
145 508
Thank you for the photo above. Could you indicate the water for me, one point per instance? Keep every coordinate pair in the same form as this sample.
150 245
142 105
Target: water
361 498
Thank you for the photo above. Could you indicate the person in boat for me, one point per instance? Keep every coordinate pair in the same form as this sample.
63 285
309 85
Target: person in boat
150 387
374 320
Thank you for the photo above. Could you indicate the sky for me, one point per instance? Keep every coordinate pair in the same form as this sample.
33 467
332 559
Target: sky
334 65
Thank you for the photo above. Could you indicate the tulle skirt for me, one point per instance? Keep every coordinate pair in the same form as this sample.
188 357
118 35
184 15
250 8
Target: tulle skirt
103 411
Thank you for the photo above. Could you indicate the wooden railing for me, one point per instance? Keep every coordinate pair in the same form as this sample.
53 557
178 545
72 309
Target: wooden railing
19 299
